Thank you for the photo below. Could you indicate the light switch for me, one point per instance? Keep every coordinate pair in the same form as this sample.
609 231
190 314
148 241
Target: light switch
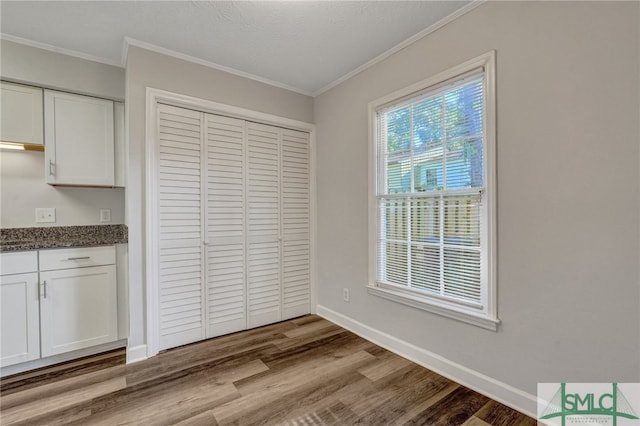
105 215
45 215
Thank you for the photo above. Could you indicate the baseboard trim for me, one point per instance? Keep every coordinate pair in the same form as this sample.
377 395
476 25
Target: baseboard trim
494 389
57 359
136 354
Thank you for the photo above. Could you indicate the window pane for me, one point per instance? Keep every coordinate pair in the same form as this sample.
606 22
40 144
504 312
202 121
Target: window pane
395 269
462 221
399 175
425 268
425 220
395 219
427 122
464 163
464 111
394 178
398 130
427 169
462 274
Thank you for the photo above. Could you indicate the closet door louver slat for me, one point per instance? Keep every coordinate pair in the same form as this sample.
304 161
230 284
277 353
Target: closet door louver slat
225 182
180 241
295 224
263 224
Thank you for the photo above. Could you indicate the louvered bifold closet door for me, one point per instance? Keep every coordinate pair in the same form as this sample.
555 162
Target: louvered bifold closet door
296 236
263 224
225 248
180 227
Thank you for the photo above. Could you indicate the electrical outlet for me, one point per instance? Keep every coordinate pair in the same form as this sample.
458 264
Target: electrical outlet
105 215
345 294
45 215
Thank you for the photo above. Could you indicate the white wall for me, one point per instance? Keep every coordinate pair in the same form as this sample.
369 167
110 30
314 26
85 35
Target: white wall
150 69
22 182
568 82
23 189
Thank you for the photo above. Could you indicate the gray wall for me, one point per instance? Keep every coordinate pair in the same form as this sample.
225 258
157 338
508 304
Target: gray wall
30 65
568 82
150 69
22 184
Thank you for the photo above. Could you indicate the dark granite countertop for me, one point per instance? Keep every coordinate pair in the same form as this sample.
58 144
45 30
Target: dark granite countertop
21 239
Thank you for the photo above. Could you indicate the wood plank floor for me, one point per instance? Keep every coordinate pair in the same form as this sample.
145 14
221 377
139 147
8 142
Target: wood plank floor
305 371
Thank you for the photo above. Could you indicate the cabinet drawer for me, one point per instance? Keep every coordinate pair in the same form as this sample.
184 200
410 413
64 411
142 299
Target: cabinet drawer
76 257
18 263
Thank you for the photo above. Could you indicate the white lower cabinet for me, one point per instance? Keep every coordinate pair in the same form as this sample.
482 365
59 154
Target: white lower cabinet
68 303
78 309
20 314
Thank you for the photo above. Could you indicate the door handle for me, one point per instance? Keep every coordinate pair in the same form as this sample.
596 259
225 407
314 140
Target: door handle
51 168
44 285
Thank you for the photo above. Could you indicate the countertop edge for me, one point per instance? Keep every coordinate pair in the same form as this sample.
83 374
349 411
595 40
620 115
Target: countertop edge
42 238
8 248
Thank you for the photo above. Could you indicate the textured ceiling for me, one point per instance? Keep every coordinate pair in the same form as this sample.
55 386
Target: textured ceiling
301 44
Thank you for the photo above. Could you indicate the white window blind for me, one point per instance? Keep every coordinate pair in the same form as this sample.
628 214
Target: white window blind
432 216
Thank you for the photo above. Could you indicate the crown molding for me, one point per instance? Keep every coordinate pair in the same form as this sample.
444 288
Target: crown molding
125 52
55 49
172 53
441 23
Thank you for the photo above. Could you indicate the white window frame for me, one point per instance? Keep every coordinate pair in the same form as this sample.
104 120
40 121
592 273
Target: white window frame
487 315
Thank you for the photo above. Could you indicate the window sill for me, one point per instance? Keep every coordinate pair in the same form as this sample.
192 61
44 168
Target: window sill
425 305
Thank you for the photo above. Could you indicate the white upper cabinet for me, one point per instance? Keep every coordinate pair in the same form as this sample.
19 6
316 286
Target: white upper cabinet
79 140
120 146
21 114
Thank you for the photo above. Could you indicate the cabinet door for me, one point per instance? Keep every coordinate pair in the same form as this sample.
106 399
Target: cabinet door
264 303
225 189
296 220
78 308
179 206
21 114
79 140
20 319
